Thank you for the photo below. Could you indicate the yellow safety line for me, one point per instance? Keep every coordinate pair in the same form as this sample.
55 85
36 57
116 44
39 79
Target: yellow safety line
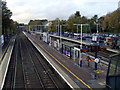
105 65
64 66
4 52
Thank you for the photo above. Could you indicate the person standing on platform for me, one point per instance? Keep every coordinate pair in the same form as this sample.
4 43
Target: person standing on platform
89 60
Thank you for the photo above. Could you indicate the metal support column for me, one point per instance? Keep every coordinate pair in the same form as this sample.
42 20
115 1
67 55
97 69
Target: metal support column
62 48
95 58
70 53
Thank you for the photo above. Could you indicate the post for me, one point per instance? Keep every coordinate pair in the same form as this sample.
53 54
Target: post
81 36
58 26
74 53
77 29
80 55
50 41
60 35
97 27
29 28
95 58
62 49
80 60
58 45
41 28
70 53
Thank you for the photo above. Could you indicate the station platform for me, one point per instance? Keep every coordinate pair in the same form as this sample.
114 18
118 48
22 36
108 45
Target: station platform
76 76
84 42
4 61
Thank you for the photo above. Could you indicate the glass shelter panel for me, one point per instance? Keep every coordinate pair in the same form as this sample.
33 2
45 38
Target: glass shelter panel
113 74
118 65
112 67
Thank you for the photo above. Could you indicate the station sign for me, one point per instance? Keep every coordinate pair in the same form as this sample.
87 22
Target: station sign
97 60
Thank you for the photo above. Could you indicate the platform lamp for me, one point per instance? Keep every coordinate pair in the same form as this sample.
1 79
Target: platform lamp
61 32
80 59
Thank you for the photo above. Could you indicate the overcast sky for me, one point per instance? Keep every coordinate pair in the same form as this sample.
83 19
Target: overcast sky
25 10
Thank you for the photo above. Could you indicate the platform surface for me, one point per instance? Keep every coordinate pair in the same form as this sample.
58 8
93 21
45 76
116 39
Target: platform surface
84 77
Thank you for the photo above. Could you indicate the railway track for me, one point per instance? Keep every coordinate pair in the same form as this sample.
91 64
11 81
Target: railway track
47 81
14 77
105 55
28 68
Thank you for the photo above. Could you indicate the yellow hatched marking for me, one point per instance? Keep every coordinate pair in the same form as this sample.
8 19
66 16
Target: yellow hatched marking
98 71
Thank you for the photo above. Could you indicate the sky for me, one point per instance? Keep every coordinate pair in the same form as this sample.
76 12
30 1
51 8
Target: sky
26 10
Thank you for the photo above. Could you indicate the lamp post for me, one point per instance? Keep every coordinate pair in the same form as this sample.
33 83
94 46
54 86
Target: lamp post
80 58
97 25
58 26
29 28
77 26
61 32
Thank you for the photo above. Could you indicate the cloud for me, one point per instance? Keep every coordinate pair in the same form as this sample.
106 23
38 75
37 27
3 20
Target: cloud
24 10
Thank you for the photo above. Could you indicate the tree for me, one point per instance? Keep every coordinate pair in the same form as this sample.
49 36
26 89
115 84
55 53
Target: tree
113 24
12 26
54 25
64 28
95 17
77 14
70 23
101 24
77 19
6 15
93 23
38 22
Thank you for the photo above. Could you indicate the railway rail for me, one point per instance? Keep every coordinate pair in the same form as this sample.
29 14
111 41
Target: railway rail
105 55
15 77
28 68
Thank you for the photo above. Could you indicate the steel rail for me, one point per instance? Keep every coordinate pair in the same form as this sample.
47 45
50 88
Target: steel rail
45 68
34 66
22 65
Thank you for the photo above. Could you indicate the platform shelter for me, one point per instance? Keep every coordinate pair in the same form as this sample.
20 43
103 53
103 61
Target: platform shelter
67 48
